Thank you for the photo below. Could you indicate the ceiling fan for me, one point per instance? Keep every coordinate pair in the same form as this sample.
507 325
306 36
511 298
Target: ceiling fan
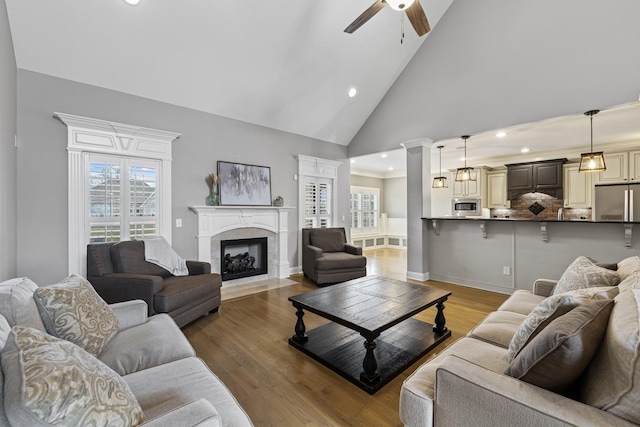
412 8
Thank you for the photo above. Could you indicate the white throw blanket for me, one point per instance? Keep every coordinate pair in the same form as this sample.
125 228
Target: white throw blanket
158 251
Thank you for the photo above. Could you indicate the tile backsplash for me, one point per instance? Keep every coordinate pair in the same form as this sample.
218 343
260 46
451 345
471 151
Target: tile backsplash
547 207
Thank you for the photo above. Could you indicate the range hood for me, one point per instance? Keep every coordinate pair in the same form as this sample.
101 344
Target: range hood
535 177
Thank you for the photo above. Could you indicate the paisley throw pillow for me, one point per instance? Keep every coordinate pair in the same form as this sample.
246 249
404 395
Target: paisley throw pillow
49 381
73 310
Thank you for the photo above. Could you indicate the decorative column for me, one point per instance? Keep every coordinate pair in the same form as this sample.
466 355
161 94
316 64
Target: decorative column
418 207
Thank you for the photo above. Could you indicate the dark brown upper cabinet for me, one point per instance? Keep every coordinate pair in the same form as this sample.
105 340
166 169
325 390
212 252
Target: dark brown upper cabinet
535 177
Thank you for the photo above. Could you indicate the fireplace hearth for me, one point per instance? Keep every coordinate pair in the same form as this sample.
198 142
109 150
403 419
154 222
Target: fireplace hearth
243 258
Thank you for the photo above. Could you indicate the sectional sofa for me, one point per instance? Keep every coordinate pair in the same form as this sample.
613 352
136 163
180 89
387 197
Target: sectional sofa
68 358
566 353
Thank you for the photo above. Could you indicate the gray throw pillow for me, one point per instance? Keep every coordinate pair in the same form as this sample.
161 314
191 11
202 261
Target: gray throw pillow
72 310
17 304
558 355
551 308
582 274
49 381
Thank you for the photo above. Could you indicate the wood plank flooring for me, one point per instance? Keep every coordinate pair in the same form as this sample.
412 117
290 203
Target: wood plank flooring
246 345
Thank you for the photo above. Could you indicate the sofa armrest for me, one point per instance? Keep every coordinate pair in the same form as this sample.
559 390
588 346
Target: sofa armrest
118 287
544 287
351 249
200 413
470 395
309 256
198 267
130 313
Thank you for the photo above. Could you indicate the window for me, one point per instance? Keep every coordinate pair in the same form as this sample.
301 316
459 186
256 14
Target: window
119 183
364 208
123 198
317 202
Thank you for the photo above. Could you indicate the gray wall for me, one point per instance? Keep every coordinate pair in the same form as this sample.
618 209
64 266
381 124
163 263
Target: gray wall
496 63
206 138
395 197
459 254
8 155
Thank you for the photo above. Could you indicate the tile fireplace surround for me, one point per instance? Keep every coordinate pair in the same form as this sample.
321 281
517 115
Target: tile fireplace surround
217 223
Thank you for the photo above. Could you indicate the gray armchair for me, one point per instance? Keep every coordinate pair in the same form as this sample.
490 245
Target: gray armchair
328 258
119 272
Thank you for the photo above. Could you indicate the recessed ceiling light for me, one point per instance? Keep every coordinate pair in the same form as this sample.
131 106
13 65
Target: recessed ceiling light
390 168
383 155
462 159
353 160
132 2
352 92
501 134
525 150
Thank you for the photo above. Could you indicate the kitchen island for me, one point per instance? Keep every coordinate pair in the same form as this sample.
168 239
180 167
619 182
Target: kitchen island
504 254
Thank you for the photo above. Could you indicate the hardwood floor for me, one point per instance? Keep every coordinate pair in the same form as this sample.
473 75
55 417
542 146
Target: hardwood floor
245 344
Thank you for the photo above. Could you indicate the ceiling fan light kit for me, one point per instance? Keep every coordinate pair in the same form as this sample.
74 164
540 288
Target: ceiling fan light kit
399 4
465 174
412 8
594 160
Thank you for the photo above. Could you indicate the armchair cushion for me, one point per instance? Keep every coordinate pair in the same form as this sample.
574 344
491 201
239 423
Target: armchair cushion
340 260
128 257
50 381
328 239
559 354
179 291
72 310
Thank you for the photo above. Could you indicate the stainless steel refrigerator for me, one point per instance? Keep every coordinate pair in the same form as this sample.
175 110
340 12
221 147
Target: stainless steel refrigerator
617 202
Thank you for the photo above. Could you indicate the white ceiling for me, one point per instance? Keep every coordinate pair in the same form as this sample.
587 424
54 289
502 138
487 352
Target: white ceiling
613 128
282 64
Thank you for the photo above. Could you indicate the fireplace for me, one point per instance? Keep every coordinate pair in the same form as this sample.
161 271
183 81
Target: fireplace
243 257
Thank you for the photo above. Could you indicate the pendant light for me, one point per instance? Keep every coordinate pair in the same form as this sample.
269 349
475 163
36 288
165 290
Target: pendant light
440 181
593 161
465 174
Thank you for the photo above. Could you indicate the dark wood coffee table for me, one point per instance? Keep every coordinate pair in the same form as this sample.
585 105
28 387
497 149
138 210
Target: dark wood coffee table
379 310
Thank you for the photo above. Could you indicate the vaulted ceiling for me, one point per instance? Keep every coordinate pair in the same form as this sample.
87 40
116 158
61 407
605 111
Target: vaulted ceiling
282 64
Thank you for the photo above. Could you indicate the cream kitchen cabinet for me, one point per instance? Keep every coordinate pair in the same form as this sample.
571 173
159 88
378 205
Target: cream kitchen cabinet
497 189
622 167
578 187
470 188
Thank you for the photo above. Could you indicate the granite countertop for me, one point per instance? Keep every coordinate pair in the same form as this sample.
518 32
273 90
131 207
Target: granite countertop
462 218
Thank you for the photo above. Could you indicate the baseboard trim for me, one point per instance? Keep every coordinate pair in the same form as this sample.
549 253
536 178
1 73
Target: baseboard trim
421 277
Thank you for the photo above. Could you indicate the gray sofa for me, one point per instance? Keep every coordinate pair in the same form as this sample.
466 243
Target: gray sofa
119 272
466 384
171 385
328 258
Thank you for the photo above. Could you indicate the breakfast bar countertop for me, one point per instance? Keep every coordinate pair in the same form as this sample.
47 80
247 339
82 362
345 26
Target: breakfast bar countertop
463 218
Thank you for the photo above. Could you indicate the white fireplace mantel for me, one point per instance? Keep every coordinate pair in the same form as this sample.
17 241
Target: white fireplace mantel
213 220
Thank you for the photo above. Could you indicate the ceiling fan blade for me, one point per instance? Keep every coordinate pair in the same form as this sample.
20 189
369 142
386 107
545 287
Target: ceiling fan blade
418 18
366 15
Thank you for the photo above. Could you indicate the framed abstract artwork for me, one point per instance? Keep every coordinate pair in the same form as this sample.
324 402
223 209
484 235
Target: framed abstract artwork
244 185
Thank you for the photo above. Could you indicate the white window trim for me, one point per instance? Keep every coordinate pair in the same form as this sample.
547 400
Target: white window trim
355 231
88 135
320 168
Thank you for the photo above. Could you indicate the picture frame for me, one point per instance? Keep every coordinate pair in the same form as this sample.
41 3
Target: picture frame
244 185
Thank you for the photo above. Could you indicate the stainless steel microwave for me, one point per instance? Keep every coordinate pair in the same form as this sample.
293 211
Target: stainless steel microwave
466 207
